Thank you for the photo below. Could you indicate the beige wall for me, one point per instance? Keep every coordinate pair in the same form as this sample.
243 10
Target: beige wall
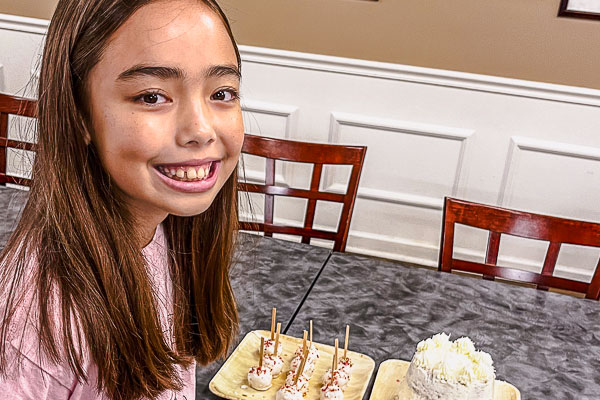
28 8
512 38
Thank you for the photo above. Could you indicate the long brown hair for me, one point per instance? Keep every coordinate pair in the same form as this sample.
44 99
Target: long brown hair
76 227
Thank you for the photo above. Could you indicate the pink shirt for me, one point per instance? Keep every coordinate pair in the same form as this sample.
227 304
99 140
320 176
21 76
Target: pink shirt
40 379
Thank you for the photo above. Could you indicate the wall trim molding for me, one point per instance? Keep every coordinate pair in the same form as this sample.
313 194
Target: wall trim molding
375 69
339 119
422 75
24 24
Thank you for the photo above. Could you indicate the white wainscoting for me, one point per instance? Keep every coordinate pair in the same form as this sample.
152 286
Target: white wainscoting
430 133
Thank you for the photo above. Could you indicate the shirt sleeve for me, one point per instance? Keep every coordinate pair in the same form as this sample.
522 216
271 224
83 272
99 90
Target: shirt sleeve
29 381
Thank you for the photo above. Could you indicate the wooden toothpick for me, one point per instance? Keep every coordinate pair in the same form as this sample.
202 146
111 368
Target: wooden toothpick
261 352
277 337
304 344
346 341
273 318
335 357
300 369
311 331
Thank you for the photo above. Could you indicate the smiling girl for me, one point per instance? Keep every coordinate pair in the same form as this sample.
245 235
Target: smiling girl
115 282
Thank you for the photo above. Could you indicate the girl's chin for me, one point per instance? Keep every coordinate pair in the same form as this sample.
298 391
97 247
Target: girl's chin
189 210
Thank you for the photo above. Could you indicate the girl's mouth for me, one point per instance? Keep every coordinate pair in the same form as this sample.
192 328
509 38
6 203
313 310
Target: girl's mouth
188 173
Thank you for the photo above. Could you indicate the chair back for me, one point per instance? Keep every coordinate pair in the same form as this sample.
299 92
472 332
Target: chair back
500 221
318 155
15 106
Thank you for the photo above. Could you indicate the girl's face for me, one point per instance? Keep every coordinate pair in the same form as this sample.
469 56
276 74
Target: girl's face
166 116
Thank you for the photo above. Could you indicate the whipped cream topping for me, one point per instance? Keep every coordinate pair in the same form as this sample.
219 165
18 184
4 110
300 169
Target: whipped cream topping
454 362
274 363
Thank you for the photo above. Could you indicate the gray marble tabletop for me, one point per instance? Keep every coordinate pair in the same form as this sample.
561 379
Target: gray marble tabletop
12 202
267 273
546 344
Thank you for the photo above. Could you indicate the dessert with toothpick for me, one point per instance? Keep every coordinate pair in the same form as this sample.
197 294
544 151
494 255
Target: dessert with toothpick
344 363
274 361
333 380
296 385
269 346
301 354
260 377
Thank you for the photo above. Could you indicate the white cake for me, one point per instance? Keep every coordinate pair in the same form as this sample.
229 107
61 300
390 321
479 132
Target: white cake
446 370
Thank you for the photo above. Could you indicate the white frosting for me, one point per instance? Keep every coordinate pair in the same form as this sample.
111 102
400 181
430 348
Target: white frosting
345 364
260 378
288 392
309 367
302 383
445 370
313 353
339 378
269 347
274 363
331 392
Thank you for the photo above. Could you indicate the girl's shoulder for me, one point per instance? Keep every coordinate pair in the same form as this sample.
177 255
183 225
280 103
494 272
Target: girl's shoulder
22 342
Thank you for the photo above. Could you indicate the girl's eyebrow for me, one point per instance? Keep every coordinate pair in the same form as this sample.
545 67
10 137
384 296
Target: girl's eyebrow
164 72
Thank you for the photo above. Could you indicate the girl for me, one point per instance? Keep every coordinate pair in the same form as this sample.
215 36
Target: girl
115 282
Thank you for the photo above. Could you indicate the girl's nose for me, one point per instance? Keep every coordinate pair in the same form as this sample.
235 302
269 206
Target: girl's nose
195 125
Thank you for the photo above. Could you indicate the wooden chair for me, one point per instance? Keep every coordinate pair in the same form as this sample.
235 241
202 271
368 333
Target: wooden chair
523 224
16 106
319 155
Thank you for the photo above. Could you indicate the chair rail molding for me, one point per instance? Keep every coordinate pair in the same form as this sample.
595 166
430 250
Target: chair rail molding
428 76
24 24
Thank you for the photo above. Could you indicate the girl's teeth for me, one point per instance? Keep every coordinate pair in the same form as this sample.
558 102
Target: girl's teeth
186 173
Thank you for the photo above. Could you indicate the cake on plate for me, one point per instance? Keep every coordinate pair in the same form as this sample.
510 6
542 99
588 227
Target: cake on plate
442 369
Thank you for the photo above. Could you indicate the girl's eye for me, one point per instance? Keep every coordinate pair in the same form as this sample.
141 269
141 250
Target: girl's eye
152 98
225 95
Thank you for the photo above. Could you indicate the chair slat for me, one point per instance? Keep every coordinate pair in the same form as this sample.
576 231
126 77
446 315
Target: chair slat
550 261
269 199
491 256
312 203
288 230
289 150
3 141
593 291
284 191
16 144
13 179
518 275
